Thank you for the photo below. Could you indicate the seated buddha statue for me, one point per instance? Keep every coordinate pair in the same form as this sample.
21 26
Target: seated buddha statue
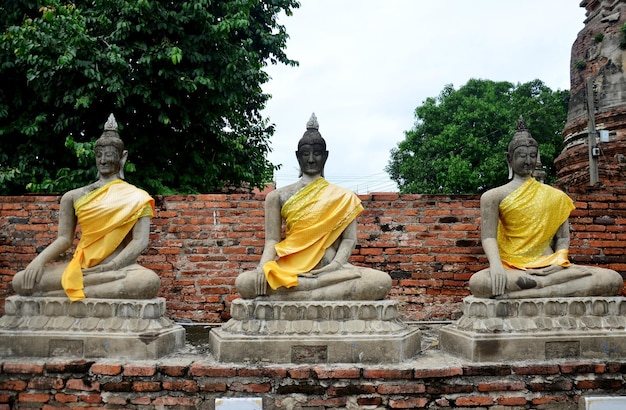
311 261
114 217
525 236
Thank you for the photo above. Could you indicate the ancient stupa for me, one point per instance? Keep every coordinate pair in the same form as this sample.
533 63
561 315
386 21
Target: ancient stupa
598 61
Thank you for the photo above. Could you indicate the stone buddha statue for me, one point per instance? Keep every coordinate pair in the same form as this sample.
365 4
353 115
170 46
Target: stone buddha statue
311 261
525 236
115 222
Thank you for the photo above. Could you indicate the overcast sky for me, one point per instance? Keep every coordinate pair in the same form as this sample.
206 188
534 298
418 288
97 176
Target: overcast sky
365 65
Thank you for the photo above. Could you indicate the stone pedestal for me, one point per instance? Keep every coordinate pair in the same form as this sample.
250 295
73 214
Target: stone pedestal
314 332
56 327
538 329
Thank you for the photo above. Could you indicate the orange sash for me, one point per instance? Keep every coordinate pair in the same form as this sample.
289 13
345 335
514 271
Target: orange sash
106 215
315 217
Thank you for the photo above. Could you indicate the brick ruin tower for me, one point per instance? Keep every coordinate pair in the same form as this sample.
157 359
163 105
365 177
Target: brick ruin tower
597 85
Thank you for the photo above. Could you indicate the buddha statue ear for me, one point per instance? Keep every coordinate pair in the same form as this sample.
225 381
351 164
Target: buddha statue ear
123 159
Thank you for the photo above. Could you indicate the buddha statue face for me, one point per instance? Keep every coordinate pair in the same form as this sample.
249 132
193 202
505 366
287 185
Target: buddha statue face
108 161
523 160
110 156
311 158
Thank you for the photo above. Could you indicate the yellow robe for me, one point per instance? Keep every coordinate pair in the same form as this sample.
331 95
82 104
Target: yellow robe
106 215
529 218
315 217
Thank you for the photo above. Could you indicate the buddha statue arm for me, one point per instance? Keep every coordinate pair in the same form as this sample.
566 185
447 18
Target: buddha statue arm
489 204
66 231
273 228
561 239
127 255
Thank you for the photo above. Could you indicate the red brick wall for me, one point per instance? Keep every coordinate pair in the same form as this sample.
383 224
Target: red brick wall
429 244
184 383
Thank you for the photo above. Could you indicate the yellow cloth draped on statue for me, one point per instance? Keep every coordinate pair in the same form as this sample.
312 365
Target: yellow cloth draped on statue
106 215
315 217
529 218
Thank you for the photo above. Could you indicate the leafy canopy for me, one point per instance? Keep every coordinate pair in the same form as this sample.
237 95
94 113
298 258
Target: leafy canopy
183 79
458 142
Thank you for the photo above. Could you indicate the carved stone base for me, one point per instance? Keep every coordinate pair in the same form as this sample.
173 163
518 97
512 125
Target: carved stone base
314 332
54 327
538 329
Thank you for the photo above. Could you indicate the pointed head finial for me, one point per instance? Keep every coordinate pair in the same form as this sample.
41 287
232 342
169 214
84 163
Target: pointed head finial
521 125
111 124
312 124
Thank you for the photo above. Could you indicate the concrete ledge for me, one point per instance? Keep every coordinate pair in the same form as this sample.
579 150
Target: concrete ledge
538 329
89 328
314 332
333 348
503 347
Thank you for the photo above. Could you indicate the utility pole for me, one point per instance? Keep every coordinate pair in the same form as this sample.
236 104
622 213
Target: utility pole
592 134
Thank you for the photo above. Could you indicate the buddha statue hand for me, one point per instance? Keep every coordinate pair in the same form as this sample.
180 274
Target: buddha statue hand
260 284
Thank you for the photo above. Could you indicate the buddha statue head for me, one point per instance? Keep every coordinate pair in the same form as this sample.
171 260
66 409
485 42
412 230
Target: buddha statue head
312 153
109 150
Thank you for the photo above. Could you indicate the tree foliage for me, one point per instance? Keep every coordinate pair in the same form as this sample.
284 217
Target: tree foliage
183 79
458 142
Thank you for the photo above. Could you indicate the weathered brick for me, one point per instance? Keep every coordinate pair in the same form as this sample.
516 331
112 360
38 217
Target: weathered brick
582 367
199 369
139 370
23 368
91 398
176 402
409 403
106 369
33 398
189 386
82 385
443 372
65 398
501 386
213 387
387 373
329 373
250 387
390 389
548 399
474 401
551 385
262 372
46 383
74 366
15 385
116 401
512 401
142 400
141 386
536 369
299 373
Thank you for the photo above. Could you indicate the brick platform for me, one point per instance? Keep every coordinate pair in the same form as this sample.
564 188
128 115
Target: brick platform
185 381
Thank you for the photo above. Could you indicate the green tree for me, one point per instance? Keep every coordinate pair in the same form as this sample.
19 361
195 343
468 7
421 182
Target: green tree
458 142
183 79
